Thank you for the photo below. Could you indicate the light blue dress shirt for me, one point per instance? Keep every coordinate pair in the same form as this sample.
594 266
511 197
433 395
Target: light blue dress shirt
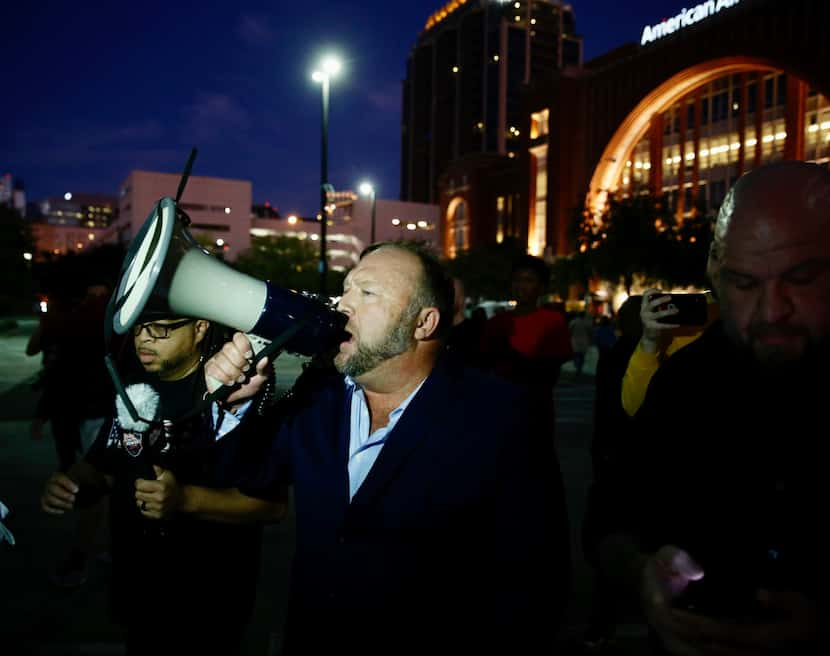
364 448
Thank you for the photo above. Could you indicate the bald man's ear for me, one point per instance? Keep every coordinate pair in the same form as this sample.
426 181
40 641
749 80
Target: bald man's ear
427 325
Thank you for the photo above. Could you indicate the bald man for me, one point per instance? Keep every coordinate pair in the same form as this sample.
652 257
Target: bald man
721 503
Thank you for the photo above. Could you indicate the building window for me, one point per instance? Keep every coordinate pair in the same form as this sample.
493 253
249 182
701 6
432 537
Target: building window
499 219
537 234
458 227
539 123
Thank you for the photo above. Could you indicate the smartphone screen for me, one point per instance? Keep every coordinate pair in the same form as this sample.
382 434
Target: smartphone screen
691 309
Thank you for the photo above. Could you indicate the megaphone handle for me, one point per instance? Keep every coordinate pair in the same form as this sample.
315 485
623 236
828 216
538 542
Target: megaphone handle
258 345
223 391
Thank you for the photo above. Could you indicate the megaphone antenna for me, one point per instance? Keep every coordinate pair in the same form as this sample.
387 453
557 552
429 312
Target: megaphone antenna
186 174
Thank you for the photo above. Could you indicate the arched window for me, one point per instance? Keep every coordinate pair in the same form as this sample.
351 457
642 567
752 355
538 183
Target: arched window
458 224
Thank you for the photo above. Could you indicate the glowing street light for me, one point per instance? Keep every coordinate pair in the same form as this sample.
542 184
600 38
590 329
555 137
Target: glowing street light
367 189
329 67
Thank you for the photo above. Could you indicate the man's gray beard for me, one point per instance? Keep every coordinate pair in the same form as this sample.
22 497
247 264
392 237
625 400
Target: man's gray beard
366 358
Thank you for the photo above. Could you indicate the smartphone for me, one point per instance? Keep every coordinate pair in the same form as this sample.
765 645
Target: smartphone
691 309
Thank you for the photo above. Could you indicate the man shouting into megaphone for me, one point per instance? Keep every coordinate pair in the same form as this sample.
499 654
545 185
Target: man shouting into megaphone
185 584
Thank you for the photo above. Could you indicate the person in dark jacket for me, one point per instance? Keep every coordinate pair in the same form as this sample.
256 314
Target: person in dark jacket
430 513
718 527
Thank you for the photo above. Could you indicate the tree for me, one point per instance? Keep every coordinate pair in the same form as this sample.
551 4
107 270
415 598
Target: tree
486 270
640 236
15 270
68 276
288 262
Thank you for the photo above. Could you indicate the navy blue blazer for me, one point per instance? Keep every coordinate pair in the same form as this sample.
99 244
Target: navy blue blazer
457 539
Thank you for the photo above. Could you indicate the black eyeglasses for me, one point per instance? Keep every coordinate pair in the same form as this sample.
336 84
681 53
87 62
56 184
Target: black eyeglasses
160 330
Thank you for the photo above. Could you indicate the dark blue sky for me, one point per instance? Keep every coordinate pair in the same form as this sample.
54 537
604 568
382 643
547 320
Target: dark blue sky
93 90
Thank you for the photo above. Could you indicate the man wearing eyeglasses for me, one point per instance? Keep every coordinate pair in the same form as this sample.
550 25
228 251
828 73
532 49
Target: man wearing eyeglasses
186 583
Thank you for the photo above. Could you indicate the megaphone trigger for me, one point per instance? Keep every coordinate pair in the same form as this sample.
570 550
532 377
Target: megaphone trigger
258 345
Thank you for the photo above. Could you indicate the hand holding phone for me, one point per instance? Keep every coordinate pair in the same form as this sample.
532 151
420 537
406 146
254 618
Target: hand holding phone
690 309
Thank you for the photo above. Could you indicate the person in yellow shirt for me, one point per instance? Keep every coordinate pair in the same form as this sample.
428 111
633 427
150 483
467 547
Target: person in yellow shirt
658 342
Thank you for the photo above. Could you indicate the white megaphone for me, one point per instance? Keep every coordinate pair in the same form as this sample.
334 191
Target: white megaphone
166 272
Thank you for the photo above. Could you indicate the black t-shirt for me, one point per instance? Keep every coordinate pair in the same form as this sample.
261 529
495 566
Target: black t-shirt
182 564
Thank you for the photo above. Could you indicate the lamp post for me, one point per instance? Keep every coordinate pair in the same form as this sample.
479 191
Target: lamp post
328 68
367 189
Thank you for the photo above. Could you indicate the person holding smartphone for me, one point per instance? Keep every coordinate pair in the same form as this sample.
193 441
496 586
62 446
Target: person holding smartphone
718 506
670 322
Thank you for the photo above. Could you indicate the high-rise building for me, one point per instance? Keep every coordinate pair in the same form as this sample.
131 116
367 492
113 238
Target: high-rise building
464 78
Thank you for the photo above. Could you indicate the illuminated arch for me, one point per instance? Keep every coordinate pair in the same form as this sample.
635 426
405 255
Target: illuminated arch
457 222
635 126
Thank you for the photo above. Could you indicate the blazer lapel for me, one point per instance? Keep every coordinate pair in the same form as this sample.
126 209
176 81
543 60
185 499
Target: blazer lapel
409 432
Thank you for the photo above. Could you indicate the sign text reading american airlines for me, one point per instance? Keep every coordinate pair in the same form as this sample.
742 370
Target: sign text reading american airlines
685 18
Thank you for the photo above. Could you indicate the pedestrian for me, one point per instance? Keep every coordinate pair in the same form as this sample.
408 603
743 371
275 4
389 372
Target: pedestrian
430 513
76 393
464 340
718 524
581 328
529 344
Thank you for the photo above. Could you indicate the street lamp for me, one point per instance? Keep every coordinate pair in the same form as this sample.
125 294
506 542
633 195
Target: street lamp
329 67
367 189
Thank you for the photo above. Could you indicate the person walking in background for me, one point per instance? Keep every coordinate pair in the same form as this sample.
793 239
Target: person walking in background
529 344
464 339
75 398
581 330
605 336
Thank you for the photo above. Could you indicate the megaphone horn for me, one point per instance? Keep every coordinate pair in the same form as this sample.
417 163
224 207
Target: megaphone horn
167 273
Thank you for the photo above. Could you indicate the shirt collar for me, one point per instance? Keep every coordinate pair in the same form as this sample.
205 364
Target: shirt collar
353 386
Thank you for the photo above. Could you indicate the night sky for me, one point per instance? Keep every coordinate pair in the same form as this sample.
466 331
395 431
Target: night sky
93 90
